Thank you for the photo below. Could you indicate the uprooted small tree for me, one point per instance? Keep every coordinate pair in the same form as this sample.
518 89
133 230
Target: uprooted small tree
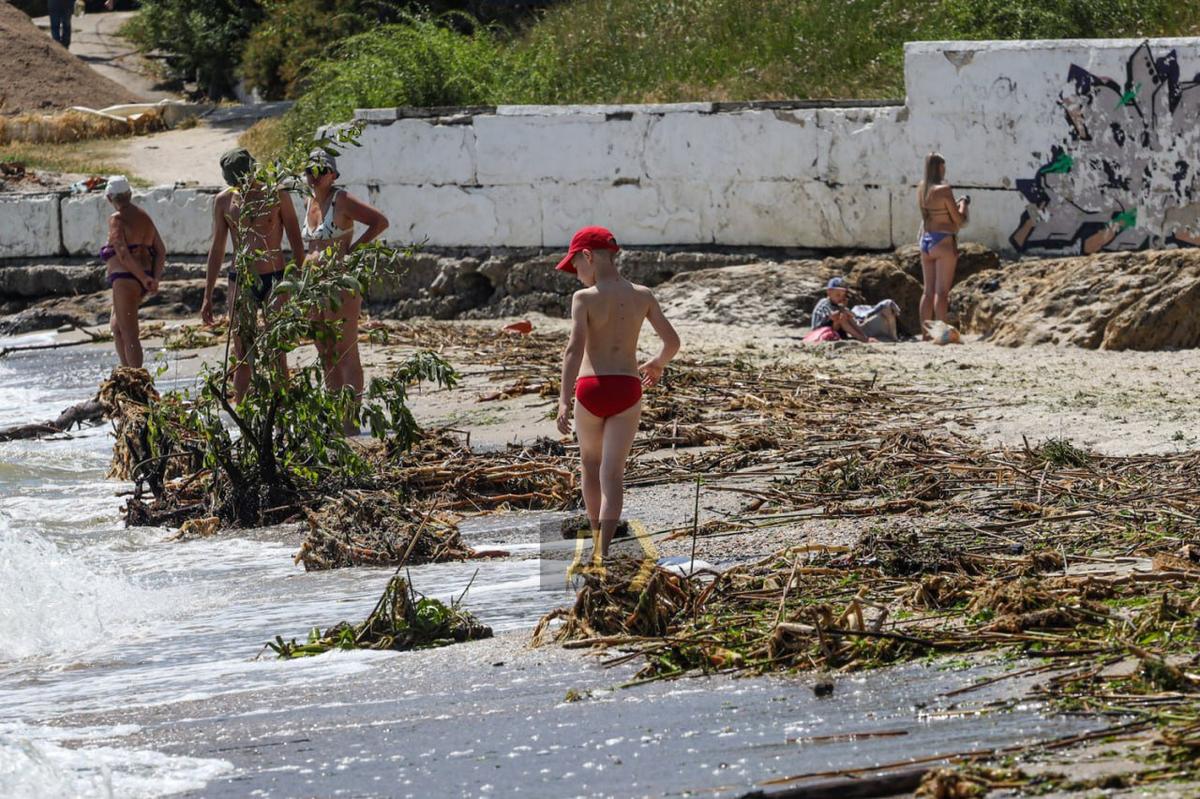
282 448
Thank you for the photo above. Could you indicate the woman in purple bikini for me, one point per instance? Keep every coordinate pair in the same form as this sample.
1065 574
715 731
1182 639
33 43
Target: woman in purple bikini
941 218
135 256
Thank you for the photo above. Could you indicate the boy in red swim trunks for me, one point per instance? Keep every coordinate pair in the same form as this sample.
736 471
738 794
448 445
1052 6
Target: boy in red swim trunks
601 371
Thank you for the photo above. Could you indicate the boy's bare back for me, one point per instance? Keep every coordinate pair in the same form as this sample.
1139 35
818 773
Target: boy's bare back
614 313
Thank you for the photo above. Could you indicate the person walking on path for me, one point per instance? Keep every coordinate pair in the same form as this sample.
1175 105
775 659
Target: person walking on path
245 209
941 218
135 256
329 225
600 373
61 12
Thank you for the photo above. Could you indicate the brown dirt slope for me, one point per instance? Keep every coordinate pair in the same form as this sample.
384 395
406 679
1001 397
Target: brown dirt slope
1115 301
39 75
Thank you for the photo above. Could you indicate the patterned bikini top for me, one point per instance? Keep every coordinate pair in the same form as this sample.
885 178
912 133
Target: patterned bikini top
326 231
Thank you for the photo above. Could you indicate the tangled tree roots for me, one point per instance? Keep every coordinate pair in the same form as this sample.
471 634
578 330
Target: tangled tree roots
375 528
401 620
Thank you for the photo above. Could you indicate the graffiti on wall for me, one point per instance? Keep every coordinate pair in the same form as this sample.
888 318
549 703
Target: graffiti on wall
1124 177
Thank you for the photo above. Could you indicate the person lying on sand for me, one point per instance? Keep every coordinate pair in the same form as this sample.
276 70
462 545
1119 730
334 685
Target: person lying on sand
832 320
135 256
245 207
600 370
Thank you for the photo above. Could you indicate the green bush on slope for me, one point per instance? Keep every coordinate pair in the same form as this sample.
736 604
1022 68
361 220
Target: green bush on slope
621 51
418 63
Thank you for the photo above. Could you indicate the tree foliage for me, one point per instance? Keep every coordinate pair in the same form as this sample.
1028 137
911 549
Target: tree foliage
204 39
283 443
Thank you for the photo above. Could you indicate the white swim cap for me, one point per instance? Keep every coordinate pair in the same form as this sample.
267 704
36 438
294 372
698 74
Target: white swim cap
117 184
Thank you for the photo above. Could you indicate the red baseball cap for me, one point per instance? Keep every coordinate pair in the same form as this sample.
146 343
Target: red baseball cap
587 238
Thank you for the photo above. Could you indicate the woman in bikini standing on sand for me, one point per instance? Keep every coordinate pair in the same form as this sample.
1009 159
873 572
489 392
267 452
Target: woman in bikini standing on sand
941 218
135 256
329 223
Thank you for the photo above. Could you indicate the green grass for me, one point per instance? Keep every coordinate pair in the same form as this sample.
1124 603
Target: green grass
84 158
629 51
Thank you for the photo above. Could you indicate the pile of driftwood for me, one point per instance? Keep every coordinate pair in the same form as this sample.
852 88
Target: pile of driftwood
122 393
376 528
443 468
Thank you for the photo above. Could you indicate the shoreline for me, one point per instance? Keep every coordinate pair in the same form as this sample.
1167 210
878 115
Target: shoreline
977 400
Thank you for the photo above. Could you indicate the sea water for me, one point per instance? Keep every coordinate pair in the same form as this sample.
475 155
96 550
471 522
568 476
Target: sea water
96 617
129 663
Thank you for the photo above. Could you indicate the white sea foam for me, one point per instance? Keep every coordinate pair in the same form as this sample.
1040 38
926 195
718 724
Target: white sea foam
35 764
56 603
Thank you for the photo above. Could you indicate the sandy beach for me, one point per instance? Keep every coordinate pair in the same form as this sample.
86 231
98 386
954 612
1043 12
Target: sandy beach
262 732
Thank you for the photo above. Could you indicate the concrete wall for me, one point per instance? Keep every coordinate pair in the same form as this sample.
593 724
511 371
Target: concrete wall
183 218
1063 146
29 225
1010 117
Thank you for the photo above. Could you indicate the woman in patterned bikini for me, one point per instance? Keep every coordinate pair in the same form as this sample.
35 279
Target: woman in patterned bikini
329 224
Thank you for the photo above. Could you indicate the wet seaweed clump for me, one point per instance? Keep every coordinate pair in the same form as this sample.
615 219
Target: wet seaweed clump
625 597
127 395
402 620
377 528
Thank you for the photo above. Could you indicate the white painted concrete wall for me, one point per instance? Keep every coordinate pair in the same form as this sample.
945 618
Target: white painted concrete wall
528 176
29 225
183 218
703 173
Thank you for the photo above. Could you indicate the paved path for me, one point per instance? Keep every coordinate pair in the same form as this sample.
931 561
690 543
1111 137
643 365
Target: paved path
94 40
173 156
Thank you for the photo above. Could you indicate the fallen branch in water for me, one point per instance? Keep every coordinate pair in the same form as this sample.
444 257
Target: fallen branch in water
78 414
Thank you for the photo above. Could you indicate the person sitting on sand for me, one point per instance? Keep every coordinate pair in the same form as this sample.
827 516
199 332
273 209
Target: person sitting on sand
832 320
941 218
246 207
329 224
135 256
601 374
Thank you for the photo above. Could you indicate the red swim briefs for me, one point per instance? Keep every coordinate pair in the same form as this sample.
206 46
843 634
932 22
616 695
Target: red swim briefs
608 395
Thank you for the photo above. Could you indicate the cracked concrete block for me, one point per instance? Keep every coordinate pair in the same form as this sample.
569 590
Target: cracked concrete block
867 146
800 214
411 151
521 150
740 146
651 212
183 218
29 225
460 216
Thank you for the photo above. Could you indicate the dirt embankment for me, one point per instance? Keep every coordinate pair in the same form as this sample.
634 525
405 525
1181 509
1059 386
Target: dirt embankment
1117 301
39 75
